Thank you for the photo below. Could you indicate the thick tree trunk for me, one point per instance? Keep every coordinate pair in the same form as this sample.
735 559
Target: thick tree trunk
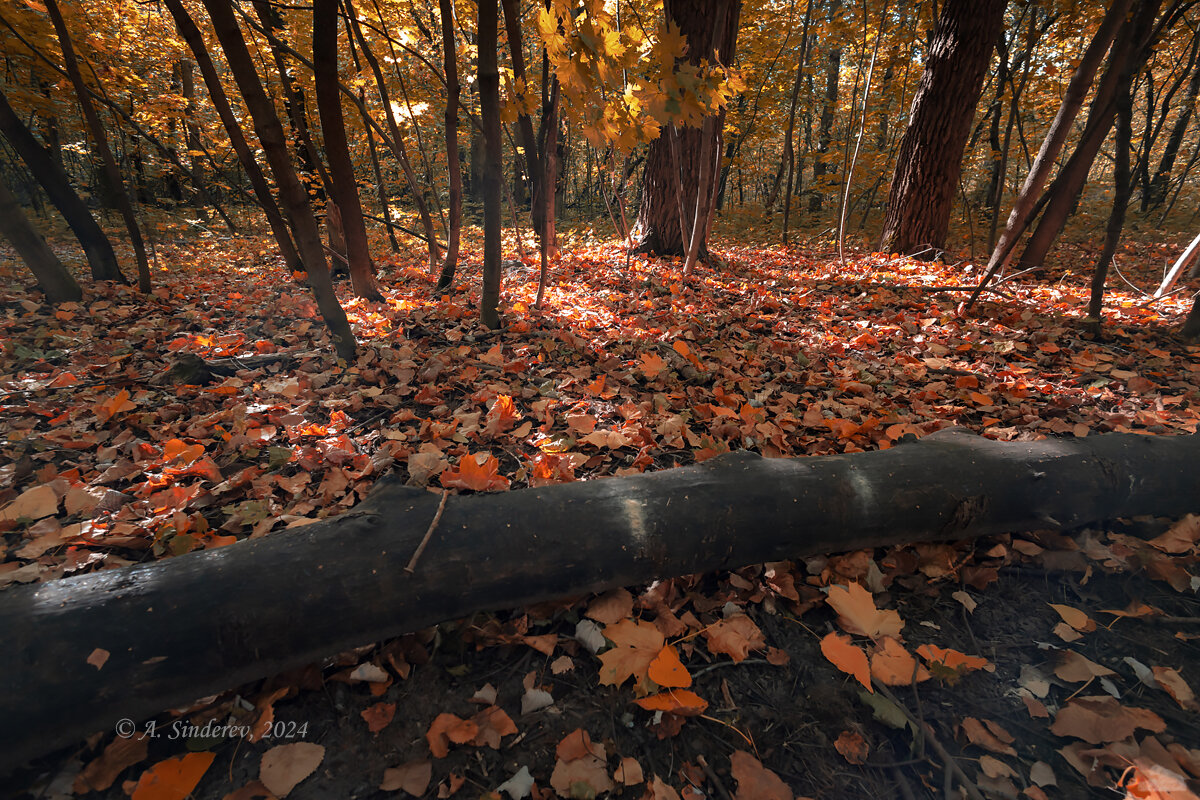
930 159
100 141
659 214
292 193
488 78
343 187
52 276
453 165
237 139
50 174
208 621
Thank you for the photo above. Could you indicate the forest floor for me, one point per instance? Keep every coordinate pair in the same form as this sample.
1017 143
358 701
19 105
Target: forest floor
1057 664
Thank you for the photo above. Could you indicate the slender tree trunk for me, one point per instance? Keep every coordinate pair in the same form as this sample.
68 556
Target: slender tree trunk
930 159
294 102
237 139
52 276
1128 51
292 192
337 150
1157 191
833 74
385 205
191 126
550 167
453 166
660 215
396 142
49 173
1122 185
1077 89
100 140
533 156
488 79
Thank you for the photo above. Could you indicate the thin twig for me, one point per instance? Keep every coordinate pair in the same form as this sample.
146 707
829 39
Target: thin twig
951 765
412 564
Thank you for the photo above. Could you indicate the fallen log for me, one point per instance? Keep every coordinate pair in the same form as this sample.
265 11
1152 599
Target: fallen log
208 621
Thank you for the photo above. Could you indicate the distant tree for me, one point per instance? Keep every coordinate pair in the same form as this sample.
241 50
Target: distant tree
453 167
930 159
51 275
49 173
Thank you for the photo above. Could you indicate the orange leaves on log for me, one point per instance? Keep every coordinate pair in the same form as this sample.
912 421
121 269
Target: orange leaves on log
478 472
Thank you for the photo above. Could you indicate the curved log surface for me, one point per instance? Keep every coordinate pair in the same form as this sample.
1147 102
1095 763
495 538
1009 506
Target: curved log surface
201 623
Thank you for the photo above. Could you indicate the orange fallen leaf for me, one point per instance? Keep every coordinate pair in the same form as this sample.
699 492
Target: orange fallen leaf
852 746
447 728
285 766
677 701
857 613
735 636
378 716
756 782
174 778
667 670
849 658
412 778
478 472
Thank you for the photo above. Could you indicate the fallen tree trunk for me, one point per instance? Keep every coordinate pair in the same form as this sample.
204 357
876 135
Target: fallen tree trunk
208 621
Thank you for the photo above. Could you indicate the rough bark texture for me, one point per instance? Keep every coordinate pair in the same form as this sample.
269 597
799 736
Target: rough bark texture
659 216
930 159
50 174
343 187
453 166
208 621
52 276
488 78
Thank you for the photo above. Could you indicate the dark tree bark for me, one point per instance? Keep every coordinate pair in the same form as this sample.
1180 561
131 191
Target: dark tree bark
208 621
930 158
453 165
1122 186
1191 325
1156 193
100 140
1077 89
343 187
237 139
292 192
1129 51
52 276
49 173
659 214
488 79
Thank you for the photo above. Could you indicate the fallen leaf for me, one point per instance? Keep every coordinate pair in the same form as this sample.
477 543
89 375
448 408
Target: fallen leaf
173 779
412 777
756 782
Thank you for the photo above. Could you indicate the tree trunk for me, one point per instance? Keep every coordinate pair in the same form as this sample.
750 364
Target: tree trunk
1157 191
52 276
453 165
1128 51
488 78
659 214
1077 89
930 159
1121 192
237 139
343 188
833 75
49 172
100 140
533 157
292 192
208 621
